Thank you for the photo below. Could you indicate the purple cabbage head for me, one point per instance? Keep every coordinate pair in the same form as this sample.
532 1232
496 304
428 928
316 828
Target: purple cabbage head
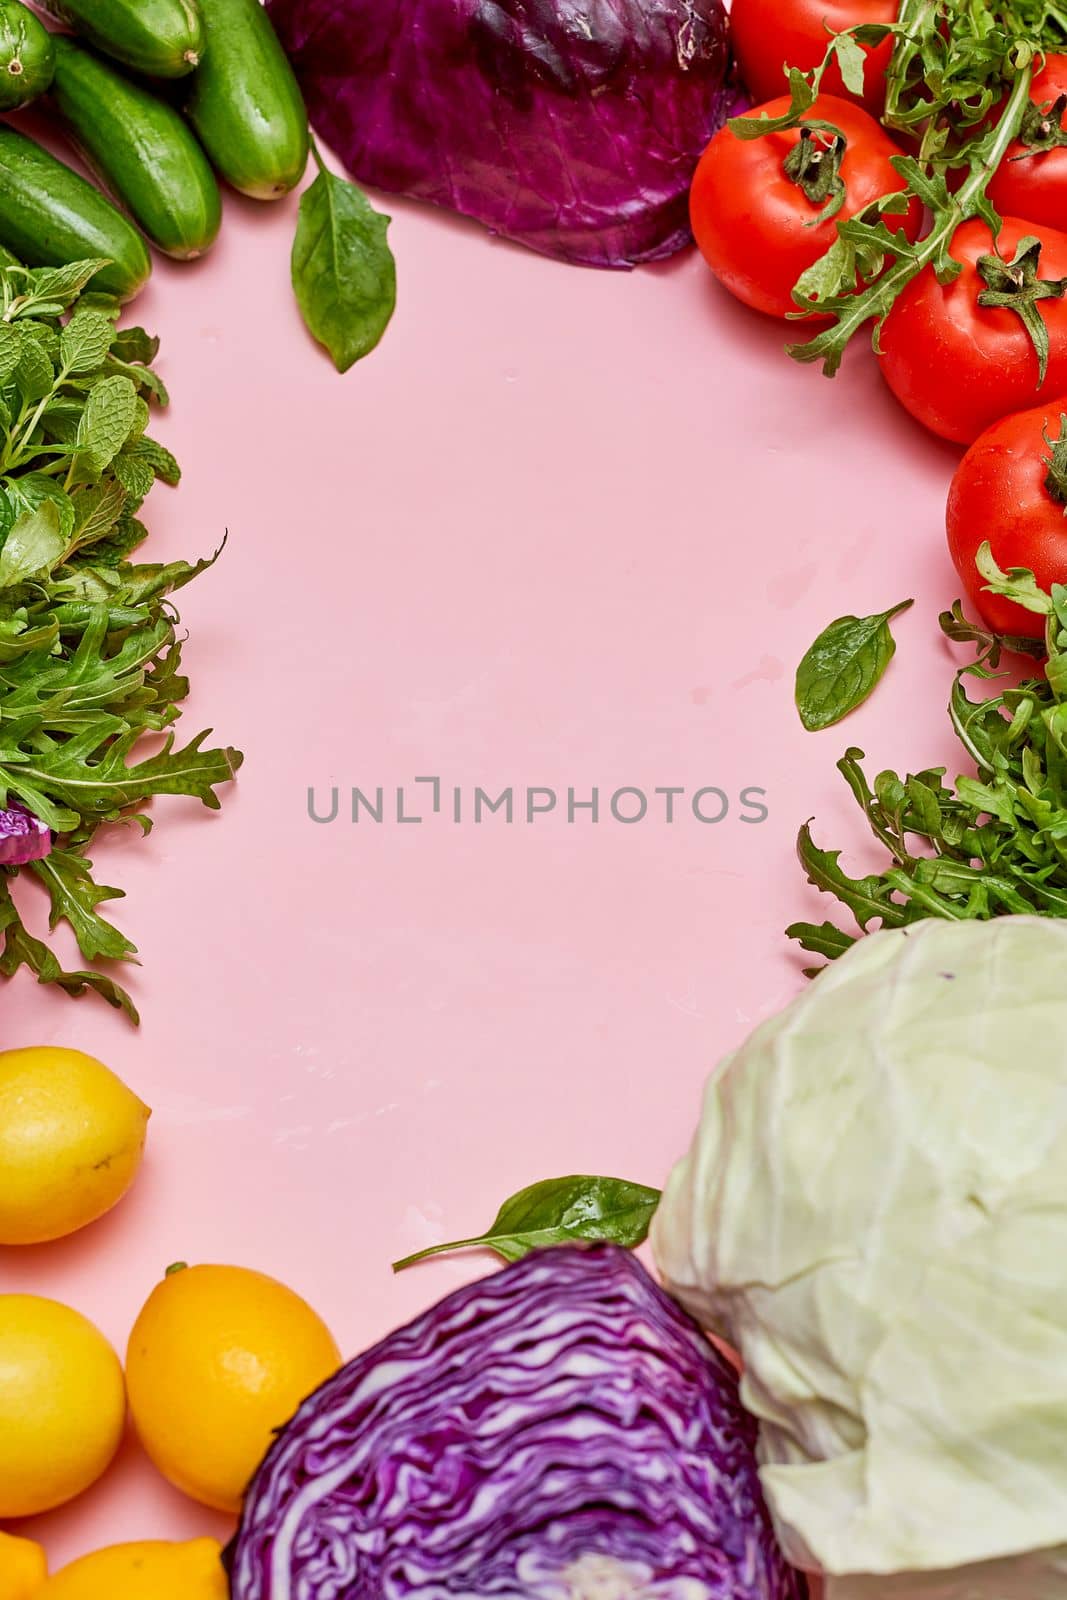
573 126
22 838
558 1431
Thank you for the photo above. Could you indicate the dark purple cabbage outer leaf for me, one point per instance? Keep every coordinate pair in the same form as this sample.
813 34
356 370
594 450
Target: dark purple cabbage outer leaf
572 126
558 1431
22 838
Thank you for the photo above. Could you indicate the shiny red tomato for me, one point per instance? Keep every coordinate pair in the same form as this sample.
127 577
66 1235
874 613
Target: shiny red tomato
755 224
1010 489
959 366
1031 181
771 34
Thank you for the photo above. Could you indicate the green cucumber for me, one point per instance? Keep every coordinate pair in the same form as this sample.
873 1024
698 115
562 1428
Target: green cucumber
161 38
26 56
245 102
141 148
50 216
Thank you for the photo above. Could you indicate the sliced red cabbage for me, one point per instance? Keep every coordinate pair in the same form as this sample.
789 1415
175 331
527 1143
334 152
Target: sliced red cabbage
22 838
558 1431
573 126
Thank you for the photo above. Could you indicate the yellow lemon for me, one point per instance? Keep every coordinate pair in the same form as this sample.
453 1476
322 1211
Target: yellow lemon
71 1140
219 1359
152 1570
62 1404
23 1568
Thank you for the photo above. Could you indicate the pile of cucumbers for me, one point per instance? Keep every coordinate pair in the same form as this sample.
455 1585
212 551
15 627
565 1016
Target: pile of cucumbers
158 96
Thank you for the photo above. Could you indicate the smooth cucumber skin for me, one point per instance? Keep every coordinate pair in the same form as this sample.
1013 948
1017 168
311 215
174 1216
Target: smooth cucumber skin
161 38
50 215
27 58
245 103
142 149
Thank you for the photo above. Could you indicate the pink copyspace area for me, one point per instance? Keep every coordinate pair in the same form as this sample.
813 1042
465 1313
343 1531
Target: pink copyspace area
565 529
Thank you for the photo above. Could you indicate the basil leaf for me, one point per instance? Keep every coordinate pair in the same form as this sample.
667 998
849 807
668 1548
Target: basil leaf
561 1211
344 275
844 664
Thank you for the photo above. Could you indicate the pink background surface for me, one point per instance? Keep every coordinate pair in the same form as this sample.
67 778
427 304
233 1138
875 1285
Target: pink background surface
563 528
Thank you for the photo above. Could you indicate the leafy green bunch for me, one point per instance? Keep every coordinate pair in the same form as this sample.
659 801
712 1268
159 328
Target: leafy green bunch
958 86
90 655
986 845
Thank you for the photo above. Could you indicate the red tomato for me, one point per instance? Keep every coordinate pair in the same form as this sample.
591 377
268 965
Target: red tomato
755 225
1034 185
958 366
771 34
1001 493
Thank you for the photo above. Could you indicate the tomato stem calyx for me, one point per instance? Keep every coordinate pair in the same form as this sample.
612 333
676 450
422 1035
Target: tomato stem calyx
1042 128
1015 286
814 165
1056 462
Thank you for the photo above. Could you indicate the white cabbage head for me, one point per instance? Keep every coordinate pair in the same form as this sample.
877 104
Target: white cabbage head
873 1212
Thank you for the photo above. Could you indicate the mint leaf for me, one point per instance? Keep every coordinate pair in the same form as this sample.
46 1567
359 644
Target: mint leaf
844 664
34 375
343 271
134 474
159 459
134 344
97 508
85 341
561 1211
59 287
10 349
110 413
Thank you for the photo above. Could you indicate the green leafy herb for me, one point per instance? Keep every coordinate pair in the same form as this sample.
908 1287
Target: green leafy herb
344 275
89 644
958 89
561 1211
986 845
842 667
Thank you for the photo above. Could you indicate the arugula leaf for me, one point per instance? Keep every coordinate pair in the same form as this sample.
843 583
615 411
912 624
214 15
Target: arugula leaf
989 845
21 949
343 271
842 667
958 90
89 650
560 1211
67 876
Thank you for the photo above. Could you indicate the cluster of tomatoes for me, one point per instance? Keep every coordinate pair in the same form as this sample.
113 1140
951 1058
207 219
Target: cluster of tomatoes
967 370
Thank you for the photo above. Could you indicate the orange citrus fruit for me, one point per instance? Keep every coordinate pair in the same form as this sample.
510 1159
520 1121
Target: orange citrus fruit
152 1570
23 1568
218 1360
71 1140
62 1404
